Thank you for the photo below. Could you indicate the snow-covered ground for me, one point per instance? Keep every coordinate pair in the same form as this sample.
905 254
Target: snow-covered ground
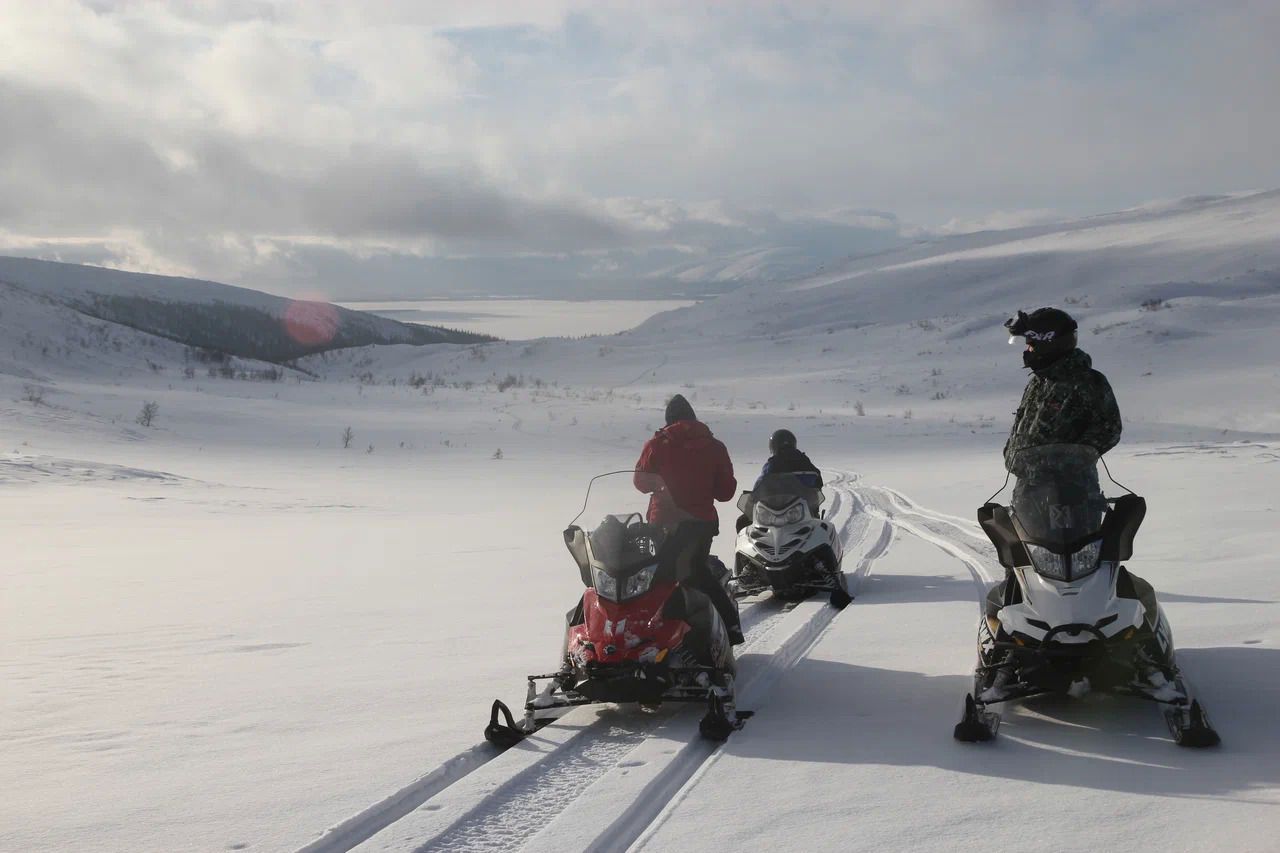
228 631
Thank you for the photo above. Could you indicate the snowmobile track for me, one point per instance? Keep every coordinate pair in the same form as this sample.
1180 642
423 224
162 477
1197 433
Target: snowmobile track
971 547
484 800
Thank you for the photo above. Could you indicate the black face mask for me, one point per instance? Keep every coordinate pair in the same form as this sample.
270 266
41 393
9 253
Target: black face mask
1042 354
1040 359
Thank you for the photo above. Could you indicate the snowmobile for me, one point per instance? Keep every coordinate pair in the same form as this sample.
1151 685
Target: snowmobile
787 545
637 635
1070 617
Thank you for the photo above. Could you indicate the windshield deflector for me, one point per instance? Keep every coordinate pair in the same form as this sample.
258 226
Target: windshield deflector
1057 501
611 533
779 491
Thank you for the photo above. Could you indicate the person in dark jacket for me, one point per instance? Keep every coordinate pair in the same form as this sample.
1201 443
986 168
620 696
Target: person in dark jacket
786 458
686 469
1066 401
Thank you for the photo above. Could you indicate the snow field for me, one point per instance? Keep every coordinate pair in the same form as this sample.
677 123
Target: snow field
227 632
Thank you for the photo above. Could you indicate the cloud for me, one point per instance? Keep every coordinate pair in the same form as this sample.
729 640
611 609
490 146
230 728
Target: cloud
256 140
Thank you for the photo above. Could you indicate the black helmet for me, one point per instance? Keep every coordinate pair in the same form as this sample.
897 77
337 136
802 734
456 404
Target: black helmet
782 439
1051 333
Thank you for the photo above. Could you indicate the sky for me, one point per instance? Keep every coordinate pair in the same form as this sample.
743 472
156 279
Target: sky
554 147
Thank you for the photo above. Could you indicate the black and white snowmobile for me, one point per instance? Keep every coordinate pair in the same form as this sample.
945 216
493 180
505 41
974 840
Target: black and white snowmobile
787 546
1070 617
637 634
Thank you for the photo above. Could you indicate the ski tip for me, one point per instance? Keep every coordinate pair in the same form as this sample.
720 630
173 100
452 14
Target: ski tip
976 726
502 735
1196 733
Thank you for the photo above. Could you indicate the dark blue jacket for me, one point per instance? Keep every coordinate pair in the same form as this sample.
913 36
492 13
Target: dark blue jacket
791 461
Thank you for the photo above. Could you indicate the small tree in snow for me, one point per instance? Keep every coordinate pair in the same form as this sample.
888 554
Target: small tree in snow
148 413
497 454
859 409
347 435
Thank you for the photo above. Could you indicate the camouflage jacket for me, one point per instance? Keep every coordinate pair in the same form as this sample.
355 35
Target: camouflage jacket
1067 402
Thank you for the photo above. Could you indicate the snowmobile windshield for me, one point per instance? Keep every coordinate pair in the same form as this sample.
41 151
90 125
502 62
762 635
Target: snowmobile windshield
619 539
1057 500
778 491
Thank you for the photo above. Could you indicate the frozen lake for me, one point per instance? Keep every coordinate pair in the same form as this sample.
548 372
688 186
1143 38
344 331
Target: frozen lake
523 319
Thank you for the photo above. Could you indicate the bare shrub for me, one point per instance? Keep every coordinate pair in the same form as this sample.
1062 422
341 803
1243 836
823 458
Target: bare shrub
148 414
347 435
33 394
859 409
497 454
1153 304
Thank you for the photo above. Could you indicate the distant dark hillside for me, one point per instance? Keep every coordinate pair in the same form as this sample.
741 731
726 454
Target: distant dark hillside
209 315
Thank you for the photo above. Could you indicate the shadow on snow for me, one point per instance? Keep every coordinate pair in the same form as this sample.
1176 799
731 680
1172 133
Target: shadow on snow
831 712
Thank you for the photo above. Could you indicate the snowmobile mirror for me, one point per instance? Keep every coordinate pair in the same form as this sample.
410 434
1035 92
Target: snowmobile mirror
1121 526
576 541
995 522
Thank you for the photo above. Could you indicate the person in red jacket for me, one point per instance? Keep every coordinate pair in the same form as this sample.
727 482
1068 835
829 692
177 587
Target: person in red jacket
686 469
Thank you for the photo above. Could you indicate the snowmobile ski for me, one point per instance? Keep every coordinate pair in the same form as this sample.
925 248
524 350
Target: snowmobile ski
1190 726
978 725
717 724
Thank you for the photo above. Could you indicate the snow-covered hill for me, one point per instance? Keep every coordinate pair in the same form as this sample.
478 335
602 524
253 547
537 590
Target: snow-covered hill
214 316
275 618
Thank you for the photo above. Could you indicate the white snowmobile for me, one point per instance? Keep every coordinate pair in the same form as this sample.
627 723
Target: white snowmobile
1070 618
787 545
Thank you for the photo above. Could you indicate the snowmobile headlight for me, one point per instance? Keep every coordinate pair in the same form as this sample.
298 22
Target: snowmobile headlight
790 515
605 584
639 583
1048 563
1085 561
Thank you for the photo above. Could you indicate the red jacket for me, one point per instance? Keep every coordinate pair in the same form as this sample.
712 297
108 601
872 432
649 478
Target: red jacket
695 468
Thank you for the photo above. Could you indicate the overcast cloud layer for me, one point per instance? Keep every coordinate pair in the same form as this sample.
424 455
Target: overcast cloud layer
408 148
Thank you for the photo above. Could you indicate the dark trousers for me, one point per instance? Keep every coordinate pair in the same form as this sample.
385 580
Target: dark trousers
690 543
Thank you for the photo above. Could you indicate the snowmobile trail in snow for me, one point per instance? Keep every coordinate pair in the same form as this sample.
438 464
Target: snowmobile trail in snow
593 760
970 547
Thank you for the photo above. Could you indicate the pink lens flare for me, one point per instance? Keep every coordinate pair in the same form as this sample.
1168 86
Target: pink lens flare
311 323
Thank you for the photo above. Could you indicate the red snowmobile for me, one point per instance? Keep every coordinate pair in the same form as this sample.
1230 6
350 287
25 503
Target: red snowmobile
637 634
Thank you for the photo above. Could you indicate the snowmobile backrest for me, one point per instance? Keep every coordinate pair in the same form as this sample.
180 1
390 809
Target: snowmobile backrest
1121 525
995 522
575 539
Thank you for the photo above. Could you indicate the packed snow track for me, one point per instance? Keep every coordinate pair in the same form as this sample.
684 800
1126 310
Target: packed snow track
613 769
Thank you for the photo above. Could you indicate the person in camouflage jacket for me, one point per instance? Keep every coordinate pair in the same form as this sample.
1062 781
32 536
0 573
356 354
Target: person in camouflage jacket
1066 401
